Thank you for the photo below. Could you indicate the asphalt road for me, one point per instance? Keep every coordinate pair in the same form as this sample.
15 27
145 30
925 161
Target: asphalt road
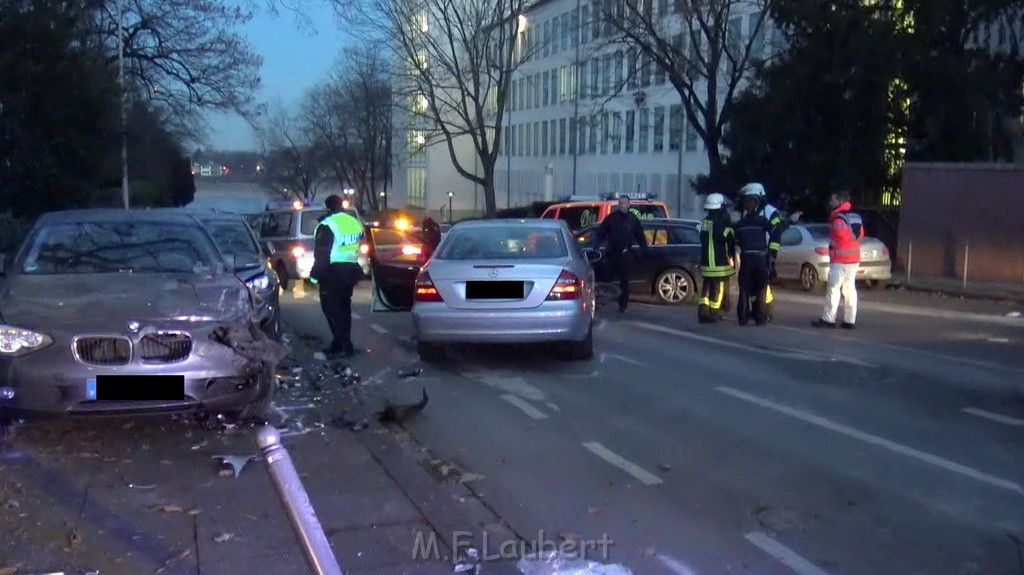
895 448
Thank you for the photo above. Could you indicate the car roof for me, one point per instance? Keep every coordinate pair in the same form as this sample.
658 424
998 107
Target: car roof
532 222
169 215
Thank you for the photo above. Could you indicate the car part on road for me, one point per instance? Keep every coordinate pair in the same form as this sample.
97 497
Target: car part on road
314 543
555 563
674 286
809 280
401 413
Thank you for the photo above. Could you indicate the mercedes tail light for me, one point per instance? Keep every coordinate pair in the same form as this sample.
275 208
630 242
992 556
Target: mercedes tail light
425 289
298 251
411 250
568 286
821 251
885 252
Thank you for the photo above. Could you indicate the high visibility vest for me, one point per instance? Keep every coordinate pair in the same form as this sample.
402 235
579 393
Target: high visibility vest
348 232
846 233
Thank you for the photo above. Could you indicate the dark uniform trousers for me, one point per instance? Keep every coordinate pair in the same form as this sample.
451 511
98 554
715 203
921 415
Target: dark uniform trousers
753 288
622 267
336 302
714 299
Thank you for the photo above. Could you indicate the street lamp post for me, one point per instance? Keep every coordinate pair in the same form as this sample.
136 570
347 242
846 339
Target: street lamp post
451 195
384 200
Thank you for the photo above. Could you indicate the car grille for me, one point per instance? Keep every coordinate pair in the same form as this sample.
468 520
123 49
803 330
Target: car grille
104 350
165 347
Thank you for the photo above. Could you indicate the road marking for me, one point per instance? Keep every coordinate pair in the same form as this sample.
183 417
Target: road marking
356 316
627 359
787 556
590 375
378 328
641 474
554 407
994 416
999 339
974 362
603 357
506 382
675 565
288 407
521 403
876 440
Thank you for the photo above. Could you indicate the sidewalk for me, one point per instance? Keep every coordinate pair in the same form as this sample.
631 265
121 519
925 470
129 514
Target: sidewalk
954 287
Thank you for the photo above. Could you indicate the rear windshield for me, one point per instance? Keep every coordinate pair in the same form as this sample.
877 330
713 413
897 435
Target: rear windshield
502 242
648 211
819 232
310 219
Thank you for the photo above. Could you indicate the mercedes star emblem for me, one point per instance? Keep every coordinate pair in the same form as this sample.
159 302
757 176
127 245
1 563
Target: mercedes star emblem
493 273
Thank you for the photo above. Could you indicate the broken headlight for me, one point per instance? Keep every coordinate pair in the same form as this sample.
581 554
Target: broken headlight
259 283
16 341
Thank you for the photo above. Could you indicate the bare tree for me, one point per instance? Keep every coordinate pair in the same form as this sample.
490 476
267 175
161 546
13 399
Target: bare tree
185 55
350 116
459 57
296 165
700 47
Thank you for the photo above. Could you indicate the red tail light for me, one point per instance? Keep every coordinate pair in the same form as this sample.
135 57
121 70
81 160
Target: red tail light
567 286
364 248
411 250
821 251
425 289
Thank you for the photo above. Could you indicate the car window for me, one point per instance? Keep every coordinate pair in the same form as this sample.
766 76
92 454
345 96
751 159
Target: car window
277 225
680 235
648 211
656 236
579 216
502 242
233 238
791 237
819 231
310 219
120 247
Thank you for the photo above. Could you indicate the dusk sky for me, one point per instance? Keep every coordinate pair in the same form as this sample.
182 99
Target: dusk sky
296 55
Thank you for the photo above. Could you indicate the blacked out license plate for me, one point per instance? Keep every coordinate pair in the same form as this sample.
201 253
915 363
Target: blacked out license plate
494 290
136 388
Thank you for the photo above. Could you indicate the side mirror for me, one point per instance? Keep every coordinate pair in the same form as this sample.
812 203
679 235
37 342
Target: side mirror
593 255
268 249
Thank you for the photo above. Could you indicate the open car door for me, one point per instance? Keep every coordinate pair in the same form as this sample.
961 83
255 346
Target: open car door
395 260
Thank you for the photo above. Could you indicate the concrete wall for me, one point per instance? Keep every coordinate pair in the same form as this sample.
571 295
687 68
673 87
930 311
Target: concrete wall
953 212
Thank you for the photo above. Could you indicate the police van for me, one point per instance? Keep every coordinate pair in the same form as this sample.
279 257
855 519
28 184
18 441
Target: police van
584 211
289 228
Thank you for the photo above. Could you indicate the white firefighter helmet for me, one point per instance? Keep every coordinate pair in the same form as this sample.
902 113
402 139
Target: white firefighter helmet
714 201
752 189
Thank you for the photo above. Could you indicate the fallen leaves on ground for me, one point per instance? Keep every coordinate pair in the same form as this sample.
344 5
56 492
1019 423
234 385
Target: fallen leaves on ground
223 537
193 512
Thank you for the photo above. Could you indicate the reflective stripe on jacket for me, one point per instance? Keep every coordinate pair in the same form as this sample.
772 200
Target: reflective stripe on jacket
347 232
845 233
718 246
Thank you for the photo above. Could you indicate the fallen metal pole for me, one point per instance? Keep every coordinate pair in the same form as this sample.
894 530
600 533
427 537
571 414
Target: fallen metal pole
301 515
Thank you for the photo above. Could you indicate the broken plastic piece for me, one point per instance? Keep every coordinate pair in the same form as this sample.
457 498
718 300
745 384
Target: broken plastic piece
237 462
470 563
555 563
137 486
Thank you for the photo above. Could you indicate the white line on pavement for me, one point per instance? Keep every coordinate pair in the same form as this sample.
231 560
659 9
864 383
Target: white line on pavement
994 416
627 359
553 406
287 407
356 316
798 355
377 328
999 340
641 474
675 565
603 357
526 408
876 440
787 556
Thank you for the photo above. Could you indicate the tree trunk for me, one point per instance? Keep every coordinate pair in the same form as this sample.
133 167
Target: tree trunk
490 206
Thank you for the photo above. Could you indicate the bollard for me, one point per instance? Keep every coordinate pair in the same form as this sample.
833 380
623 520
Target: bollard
910 258
310 534
967 253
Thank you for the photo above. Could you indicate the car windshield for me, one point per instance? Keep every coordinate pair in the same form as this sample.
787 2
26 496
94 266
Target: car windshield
310 219
120 247
818 232
502 242
233 238
648 211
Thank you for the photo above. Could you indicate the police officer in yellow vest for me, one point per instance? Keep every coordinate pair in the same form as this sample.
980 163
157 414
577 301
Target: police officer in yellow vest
336 270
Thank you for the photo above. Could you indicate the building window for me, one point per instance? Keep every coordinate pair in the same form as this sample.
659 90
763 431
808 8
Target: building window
574 27
554 86
595 76
554 137
645 130
617 133
546 92
630 130
519 139
582 136
416 186
417 145
536 90
675 127
691 137
584 79
572 135
631 74
544 139
606 75
605 136
659 129
662 7
529 139
566 31
659 75
546 38
617 62
585 23
645 71
561 137
536 138
595 129
505 147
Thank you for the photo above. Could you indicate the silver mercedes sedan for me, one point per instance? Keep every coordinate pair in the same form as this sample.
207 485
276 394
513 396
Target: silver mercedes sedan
493 281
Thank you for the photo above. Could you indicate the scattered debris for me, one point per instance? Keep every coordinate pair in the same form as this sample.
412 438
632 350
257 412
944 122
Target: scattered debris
320 356
591 510
170 562
648 551
11 504
237 462
410 373
168 509
401 413
138 486
1015 314
193 512
470 563
75 538
468 477
554 563
665 467
224 537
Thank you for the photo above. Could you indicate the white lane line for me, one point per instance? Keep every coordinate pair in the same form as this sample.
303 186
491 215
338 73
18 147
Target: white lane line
674 565
603 357
289 407
994 416
641 474
526 408
553 406
784 554
627 359
876 440
356 316
378 328
726 343
999 340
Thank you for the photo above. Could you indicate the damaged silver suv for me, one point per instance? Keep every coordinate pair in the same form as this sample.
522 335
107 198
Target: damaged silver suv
129 312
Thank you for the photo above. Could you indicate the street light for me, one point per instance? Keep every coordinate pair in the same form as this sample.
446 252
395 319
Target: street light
451 195
384 199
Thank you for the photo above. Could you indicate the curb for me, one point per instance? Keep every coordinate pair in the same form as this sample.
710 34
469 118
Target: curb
956 292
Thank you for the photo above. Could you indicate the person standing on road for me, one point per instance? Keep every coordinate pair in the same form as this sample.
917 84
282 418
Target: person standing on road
846 230
758 241
718 253
621 229
336 270
774 217
431 234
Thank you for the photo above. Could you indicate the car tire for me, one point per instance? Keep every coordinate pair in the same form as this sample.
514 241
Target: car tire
666 287
262 407
809 280
430 352
282 276
584 349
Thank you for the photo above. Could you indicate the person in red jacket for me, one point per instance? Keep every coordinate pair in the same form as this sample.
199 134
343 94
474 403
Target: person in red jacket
845 233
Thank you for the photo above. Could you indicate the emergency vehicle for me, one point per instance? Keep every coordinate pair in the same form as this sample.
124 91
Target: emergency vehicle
584 211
